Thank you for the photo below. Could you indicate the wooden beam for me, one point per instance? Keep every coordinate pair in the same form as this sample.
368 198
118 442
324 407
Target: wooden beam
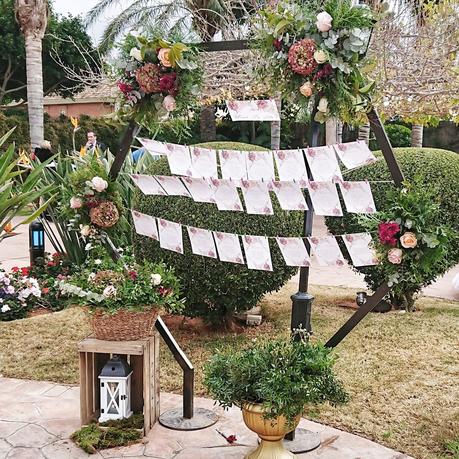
230 45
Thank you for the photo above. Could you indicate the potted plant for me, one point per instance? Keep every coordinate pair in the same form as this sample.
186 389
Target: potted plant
272 382
124 297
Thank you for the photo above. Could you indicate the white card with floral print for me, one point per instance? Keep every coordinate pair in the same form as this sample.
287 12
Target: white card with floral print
154 147
148 185
257 252
228 247
202 242
172 185
203 163
358 197
294 251
170 235
201 190
179 159
325 199
233 166
256 197
291 166
354 154
289 195
326 251
145 224
260 165
323 164
253 110
226 195
359 246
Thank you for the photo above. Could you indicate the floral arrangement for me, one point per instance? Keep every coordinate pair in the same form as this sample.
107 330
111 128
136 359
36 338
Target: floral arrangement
112 286
412 246
158 80
313 55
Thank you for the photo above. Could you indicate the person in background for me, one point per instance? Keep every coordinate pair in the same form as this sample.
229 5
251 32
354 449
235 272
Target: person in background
43 152
136 155
92 144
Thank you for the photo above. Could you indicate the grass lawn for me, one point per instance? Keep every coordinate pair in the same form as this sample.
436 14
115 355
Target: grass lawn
402 370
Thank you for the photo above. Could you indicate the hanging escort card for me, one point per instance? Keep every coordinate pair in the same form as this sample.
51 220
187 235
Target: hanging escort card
233 166
359 247
200 189
256 197
154 147
289 195
172 185
358 197
202 242
203 163
253 110
226 195
145 224
325 199
179 159
228 247
294 251
354 154
323 164
260 165
290 166
257 252
326 251
170 235
148 185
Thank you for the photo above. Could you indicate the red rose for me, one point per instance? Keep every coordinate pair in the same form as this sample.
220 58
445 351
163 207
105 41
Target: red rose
45 290
15 269
51 263
167 82
133 275
124 87
277 44
24 271
387 232
231 438
163 291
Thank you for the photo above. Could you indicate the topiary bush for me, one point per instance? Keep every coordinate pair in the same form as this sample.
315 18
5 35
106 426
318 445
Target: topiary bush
399 136
215 289
437 170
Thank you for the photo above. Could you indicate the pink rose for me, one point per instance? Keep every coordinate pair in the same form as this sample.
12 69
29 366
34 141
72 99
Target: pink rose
324 22
76 203
169 103
409 240
395 256
163 56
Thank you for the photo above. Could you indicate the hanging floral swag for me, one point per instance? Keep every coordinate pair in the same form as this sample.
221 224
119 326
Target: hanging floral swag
158 81
412 246
313 55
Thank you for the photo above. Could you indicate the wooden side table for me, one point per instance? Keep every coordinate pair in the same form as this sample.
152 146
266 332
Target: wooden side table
142 356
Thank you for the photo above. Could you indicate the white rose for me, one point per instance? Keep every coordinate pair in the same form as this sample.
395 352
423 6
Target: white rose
85 230
320 56
109 291
324 22
99 184
98 262
91 277
323 105
76 203
10 289
169 103
5 308
156 279
136 54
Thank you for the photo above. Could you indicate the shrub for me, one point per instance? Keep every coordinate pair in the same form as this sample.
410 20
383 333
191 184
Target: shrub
399 136
437 170
215 289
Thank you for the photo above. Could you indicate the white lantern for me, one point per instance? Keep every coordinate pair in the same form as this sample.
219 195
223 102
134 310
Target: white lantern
115 390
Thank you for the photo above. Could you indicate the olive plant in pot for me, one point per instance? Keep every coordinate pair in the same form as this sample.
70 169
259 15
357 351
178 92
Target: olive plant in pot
123 298
273 382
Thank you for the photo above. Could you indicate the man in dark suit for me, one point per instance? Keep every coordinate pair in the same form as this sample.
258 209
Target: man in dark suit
93 144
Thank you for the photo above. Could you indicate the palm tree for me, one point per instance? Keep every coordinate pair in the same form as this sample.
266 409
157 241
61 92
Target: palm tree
32 17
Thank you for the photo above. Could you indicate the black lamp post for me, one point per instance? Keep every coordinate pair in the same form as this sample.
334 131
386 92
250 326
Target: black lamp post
36 241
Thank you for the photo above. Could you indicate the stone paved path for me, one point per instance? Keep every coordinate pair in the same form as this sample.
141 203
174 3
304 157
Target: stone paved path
37 418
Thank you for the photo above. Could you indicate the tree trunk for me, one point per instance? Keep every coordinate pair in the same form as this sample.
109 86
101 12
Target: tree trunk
208 126
364 133
333 131
276 127
34 89
417 134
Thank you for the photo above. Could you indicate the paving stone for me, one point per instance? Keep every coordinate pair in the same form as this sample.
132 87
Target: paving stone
73 393
31 436
228 452
56 391
65 449
25 453
62 428
4 448
162 447
7 428
18 411
50 408
125 451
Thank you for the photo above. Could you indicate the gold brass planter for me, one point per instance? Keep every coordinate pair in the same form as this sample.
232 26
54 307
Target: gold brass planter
270 431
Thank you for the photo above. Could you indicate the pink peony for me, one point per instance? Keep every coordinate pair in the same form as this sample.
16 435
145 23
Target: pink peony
76 203
395 256
324 22
169 103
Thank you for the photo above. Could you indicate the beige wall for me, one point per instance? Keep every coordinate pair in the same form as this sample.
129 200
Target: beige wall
94 109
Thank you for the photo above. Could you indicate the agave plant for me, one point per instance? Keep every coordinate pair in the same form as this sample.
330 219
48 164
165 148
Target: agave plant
19 189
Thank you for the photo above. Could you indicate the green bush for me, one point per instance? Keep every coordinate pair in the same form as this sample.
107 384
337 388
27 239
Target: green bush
437 170
399 136
214 289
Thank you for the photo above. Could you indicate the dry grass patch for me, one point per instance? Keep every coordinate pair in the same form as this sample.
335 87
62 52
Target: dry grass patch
401 370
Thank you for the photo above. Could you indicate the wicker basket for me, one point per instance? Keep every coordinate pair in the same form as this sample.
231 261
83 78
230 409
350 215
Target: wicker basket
123 325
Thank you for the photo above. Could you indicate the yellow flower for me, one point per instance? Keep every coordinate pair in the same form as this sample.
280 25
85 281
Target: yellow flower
82 152
74 121
8 227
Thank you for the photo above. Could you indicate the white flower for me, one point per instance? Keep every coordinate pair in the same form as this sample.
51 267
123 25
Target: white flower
169 103
85 230
88 247
109 291
98 262
323 105
76 203
136 54
320 56
9 289
156 279
99 184
5 308
219 114
324 22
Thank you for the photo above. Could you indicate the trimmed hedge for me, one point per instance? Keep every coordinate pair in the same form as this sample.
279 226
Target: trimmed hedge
214 289
399 136
437 169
